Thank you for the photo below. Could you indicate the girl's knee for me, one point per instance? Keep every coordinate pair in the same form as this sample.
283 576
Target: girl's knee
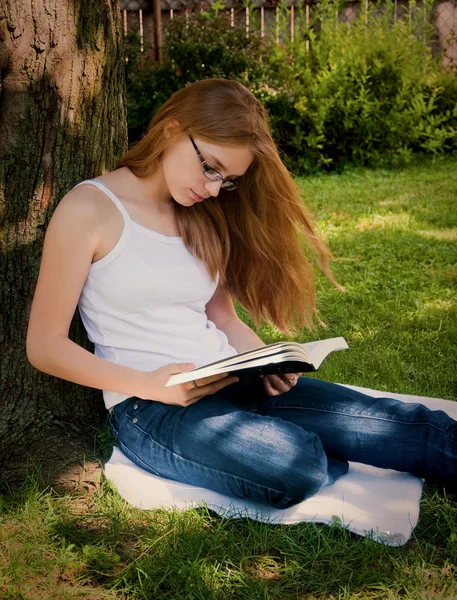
300 483
275 462
298 493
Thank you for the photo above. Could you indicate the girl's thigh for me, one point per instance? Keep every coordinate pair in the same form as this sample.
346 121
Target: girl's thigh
225 444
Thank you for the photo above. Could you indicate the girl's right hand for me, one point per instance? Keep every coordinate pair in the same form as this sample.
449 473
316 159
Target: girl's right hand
152 386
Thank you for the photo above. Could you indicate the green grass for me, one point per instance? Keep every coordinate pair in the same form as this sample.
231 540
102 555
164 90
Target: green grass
394 237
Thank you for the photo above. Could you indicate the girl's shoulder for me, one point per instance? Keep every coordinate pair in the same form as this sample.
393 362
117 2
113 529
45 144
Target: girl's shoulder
100 217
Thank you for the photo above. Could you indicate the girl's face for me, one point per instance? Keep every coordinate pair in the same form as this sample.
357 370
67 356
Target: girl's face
184 173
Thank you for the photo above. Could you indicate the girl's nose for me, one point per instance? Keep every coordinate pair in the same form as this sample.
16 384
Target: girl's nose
213 187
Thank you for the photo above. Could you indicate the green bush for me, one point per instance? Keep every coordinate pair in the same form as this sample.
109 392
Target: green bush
367 92
202 47
148 87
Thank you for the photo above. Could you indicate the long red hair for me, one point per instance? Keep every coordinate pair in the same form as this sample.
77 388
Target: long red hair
253 236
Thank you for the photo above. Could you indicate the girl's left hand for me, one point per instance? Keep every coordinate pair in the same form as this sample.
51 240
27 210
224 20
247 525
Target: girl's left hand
275 385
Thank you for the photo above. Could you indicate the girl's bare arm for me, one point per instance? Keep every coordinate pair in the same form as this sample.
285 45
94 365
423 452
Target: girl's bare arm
70 244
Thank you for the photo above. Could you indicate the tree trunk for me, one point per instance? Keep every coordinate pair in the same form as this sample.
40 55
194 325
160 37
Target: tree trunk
62 119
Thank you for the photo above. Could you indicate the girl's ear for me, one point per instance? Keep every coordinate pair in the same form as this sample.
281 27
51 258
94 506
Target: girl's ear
171 129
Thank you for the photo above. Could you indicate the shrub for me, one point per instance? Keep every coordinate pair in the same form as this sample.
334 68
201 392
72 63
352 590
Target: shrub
367 92
201 47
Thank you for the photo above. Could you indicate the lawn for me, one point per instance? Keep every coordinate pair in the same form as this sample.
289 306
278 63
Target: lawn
393 234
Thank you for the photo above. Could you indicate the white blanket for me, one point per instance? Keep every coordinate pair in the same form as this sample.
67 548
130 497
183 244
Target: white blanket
381 503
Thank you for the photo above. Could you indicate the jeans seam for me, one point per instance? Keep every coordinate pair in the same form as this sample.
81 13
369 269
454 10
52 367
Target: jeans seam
199 465
345 414
146 466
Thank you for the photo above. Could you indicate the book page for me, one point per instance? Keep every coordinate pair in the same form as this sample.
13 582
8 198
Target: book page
266 351
247 364
269 349
317 351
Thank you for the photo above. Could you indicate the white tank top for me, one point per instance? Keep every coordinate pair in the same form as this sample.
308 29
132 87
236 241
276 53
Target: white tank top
143 304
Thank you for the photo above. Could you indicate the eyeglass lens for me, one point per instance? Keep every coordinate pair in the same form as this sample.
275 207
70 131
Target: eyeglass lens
227 184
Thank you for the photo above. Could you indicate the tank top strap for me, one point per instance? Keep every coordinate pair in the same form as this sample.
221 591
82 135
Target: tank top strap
101 186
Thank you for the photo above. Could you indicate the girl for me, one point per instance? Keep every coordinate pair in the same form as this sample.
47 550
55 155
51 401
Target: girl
198 213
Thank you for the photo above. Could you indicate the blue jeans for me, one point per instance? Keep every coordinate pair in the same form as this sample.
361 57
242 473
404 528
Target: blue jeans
281 450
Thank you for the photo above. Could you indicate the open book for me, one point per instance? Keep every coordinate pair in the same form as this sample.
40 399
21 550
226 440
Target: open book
278 358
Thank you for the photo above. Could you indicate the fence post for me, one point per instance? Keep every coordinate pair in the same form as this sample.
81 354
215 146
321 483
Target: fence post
425 22
277 25
247 21
262 21
140 16
158 30
124 14
307 23
292 23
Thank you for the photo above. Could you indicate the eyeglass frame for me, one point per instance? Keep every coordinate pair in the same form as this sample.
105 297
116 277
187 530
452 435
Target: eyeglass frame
207 169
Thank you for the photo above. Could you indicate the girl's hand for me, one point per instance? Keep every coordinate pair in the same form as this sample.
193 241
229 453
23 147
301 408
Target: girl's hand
275 385
152 385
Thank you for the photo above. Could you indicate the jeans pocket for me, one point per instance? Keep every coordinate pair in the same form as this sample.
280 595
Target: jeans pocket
129 451
118 414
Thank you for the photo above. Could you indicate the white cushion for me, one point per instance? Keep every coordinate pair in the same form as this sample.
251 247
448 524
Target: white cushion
367 500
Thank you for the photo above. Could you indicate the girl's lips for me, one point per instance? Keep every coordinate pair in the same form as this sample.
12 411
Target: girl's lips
196 197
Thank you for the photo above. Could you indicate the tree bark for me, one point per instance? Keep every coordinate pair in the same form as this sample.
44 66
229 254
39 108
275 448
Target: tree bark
62 120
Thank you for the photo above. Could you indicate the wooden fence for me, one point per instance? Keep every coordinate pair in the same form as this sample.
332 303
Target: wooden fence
141 16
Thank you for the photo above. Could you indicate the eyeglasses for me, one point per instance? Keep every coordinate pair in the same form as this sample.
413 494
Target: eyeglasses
213 175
